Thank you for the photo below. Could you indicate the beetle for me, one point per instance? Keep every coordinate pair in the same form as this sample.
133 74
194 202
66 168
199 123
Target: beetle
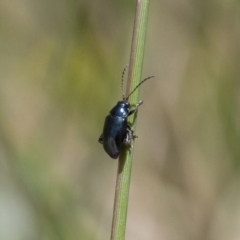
117 131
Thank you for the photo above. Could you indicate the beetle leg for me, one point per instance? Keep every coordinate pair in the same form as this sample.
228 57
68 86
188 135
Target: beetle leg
129 136
100 140
131 131
136 108
127 139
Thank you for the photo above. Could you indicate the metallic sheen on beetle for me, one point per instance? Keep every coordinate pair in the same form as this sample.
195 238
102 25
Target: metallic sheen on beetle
117 131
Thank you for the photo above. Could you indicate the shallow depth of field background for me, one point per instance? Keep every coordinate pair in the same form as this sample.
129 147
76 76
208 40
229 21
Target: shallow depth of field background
60 70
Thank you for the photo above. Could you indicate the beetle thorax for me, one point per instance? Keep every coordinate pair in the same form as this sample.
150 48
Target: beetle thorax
121 109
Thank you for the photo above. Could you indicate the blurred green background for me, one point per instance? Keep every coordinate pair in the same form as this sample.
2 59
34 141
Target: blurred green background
60 70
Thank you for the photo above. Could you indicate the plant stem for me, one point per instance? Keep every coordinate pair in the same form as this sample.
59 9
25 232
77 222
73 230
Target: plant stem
125 160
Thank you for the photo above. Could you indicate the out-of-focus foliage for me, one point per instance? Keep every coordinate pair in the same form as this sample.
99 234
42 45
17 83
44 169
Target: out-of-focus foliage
60 71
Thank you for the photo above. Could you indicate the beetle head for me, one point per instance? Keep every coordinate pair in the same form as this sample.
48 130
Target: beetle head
121 109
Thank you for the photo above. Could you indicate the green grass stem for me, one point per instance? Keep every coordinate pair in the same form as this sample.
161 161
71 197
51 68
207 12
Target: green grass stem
125 160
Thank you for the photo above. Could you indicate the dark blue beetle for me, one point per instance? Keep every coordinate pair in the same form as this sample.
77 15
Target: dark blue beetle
116 130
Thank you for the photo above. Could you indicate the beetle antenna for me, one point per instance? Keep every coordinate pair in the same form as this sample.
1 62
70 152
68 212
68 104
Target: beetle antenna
138 86
123 80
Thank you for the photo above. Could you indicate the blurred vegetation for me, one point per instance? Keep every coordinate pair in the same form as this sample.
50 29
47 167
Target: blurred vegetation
60 71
